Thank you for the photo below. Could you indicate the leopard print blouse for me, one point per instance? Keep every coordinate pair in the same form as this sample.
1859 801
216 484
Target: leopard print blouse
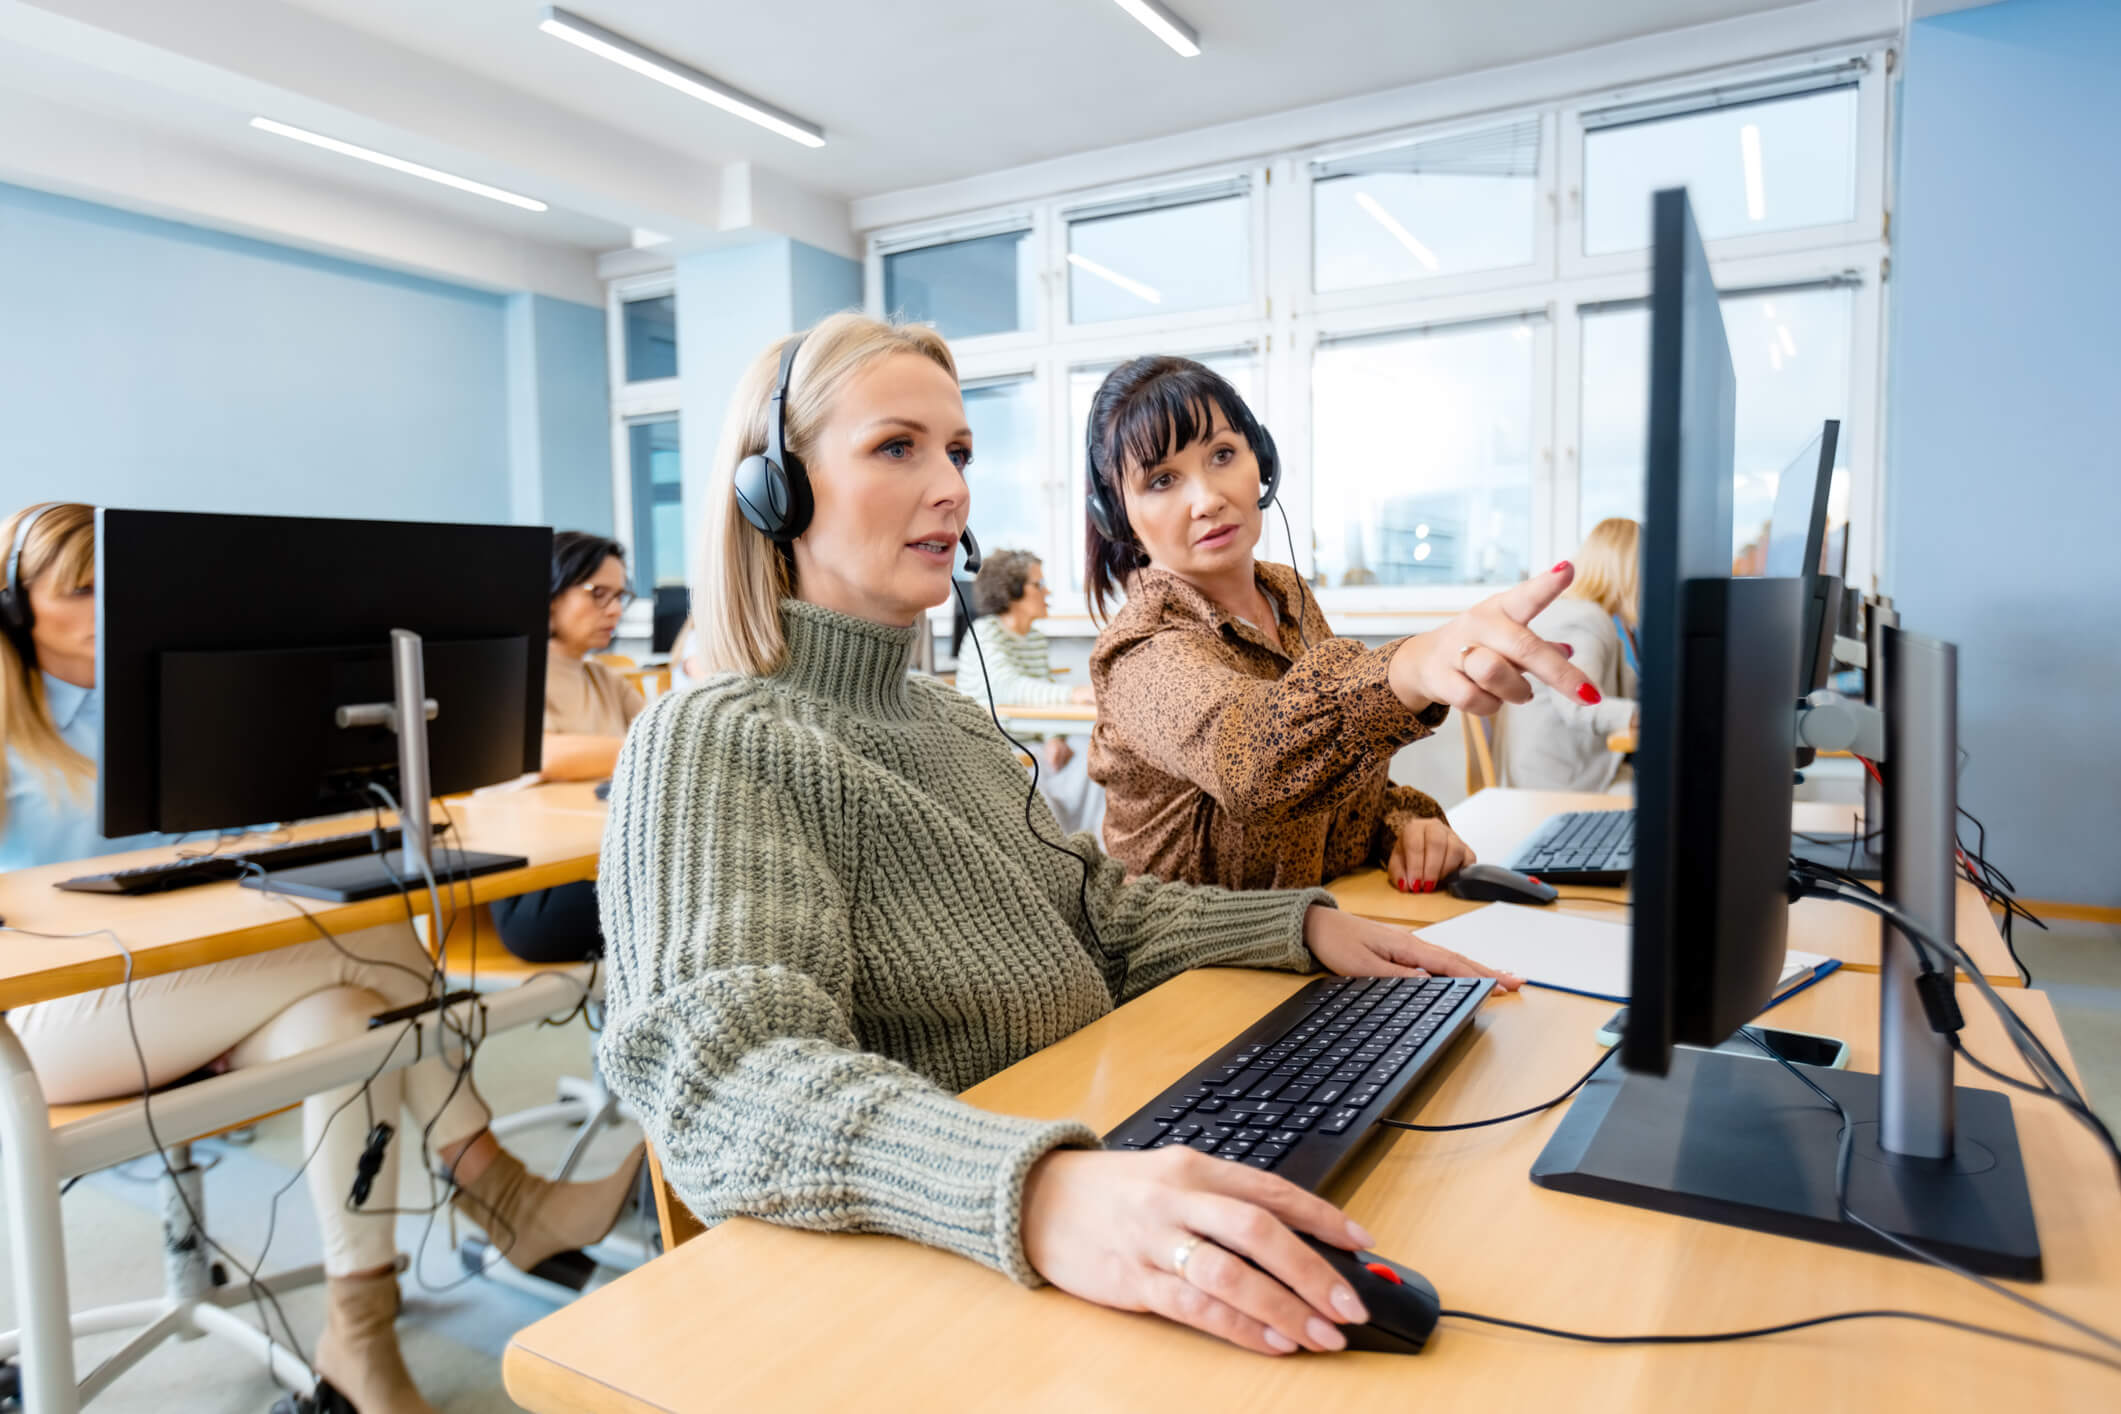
1236 757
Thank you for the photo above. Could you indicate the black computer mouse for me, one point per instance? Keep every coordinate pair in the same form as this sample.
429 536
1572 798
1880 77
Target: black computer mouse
1403 1306
1491 883
604 789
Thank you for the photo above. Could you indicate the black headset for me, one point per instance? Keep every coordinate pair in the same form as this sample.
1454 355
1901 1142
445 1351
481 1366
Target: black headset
16 616
773 490
1109 514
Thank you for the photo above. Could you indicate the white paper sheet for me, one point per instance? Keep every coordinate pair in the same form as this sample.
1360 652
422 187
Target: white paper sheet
1564 950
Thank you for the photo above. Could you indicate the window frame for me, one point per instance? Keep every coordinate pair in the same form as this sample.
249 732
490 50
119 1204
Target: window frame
633 402
1285 320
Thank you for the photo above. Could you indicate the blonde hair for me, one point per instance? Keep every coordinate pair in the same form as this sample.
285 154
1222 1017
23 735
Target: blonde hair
744 575
62 544
1608 568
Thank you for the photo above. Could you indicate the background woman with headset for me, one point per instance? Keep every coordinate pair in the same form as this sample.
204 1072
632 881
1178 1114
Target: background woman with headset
1239 742
252 1010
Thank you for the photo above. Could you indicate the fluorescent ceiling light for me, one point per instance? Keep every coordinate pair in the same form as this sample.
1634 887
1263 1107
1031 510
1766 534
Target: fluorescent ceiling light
1774 356
1755 188
1789 345
1132 287
1166 26
1400 233
396 164
608 44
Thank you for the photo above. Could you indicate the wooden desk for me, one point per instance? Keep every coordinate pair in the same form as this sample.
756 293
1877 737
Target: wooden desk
1495 821
213 922
752 1316
1058 719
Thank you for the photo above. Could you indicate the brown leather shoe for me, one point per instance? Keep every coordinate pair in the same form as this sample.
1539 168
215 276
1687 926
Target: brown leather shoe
530 1219
358 1351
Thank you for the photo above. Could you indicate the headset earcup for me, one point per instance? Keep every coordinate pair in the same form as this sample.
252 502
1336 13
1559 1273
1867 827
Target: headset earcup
1099 512
1269 466
777 504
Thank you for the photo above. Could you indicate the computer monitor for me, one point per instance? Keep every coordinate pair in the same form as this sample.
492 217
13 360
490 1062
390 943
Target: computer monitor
226 645
1716 1135
673 603
1796 549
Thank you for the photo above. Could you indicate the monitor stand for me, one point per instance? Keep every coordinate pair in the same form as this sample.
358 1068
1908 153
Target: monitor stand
374 875
1736 1139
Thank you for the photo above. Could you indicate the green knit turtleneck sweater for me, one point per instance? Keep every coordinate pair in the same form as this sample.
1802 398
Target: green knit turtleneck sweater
824 914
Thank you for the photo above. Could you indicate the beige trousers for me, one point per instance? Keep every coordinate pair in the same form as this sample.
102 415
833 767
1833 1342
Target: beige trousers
263 1008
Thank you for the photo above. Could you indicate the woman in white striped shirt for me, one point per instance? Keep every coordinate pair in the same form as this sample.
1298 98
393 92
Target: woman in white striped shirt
1009 596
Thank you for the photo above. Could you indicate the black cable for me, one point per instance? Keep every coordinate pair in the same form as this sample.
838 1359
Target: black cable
1713 1337
257 1287
1584 1080
2038 1059
1083 891
1303 591
1844 1148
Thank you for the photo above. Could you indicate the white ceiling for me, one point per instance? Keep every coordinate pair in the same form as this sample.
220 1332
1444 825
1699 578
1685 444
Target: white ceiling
914 92
224 130
145 103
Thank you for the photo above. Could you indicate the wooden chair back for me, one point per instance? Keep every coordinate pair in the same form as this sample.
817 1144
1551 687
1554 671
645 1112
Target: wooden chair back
678 1223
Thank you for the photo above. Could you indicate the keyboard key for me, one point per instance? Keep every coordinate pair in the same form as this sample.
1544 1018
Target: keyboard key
1209 1107
1270 1115
1328 1094
1243 1083
1300 1121
1235 1148
1339 1121
1311 1111
1251 1136
1184 1131
1262 1161
1204 1142
1365 1095
1270 1150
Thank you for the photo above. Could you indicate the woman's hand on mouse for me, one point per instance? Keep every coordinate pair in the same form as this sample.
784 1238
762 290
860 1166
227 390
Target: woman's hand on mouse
1480 660
1358 947
1428 851
1111 1227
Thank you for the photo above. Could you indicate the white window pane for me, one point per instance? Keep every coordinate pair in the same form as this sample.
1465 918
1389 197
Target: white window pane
964 288
1790 350
1748 169
651 327
1423 457
1007 475
1162 261
1240 367
1445 206
658 504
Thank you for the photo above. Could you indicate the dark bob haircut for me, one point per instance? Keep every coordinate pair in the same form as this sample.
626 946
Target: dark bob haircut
1146 410
576 555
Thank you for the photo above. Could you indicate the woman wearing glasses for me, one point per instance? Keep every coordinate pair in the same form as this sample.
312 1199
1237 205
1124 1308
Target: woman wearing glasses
587 710
587 706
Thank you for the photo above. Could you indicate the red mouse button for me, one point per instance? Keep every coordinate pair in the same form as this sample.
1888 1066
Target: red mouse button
1379 1269
1534 878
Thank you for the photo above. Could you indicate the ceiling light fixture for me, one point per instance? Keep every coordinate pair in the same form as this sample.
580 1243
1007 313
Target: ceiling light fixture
1755 187
1159 21
1113 277
1400 233
609 44
1782 335
396 164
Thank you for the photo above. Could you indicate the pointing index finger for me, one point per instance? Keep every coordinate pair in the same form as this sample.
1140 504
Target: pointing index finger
1527 601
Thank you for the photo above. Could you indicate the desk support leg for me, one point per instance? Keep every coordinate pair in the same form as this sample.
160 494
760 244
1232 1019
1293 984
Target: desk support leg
27 1156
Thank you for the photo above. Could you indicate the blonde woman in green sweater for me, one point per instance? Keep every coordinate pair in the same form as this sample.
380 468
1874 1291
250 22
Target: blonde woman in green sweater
826 914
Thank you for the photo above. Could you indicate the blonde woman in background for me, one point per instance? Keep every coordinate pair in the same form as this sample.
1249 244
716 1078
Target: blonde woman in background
1558 742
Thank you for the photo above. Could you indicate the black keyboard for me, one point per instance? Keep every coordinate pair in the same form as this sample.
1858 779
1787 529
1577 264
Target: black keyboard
1581 847
196 869
1299 1089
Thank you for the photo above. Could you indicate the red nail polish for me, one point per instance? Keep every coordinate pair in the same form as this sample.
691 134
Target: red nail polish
1559 567
1568 650
1590 694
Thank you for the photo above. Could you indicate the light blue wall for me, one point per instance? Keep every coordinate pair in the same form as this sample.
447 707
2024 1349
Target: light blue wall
559 410
148 363
732 303
2004 524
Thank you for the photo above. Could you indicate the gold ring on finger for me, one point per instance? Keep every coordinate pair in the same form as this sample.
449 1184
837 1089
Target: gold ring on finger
1183 1253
